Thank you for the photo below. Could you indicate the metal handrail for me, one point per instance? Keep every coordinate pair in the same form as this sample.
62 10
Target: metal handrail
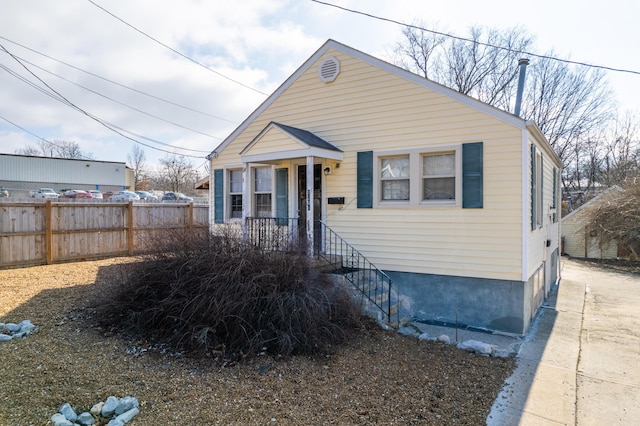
372 282
289 234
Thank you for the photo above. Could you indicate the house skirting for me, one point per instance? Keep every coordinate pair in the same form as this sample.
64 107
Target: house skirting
487 304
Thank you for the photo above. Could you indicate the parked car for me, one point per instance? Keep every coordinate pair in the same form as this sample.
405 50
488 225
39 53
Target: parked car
62 191
124 196
144 195
176 196
45 193
106 195
3 192
77 193
96 194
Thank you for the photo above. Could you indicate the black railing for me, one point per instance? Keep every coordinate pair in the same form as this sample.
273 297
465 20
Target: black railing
288 234
274 234
346 260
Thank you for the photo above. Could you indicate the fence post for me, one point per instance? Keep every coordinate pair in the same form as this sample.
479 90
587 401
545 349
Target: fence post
48 232
190 219
130 228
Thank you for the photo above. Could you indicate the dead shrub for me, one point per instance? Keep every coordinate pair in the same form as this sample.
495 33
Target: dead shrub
218 296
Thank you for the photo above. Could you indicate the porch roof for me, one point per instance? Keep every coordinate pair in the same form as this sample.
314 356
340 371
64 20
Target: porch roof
303 144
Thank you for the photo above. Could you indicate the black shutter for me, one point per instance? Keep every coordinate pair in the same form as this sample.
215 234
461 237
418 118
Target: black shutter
533 187
365 180
472 175
218 196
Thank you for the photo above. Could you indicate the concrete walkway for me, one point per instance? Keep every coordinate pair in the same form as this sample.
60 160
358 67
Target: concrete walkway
580 362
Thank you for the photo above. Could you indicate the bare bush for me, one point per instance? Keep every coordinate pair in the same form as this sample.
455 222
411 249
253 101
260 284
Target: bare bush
617 216
218 296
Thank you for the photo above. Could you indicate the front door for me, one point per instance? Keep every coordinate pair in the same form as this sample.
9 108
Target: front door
317 203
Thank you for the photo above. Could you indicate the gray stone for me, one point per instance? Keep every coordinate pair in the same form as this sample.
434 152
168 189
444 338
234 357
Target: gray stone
68 412
86 419
126 404
11 327
128 415
110 406
5 337
60 420
115 422
407 331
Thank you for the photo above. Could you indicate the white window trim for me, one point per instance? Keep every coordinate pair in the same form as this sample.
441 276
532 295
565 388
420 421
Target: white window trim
415 177
252 191
227 192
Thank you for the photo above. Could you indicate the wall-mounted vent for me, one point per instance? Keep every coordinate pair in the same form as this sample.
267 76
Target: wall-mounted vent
329 69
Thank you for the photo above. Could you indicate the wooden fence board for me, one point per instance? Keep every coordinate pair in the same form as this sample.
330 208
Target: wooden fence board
33 233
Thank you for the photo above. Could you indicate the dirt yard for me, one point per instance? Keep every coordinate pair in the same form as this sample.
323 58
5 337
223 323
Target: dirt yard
380 377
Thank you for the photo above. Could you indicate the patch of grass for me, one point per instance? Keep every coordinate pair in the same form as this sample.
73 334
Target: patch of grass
216 295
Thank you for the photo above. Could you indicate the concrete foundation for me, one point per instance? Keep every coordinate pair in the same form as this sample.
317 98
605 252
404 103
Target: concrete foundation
472 303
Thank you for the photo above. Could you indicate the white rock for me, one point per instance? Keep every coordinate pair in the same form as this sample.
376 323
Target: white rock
444 339
480 348
96 410
423 336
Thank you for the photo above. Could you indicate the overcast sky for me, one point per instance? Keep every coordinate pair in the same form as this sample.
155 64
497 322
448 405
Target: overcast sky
250 48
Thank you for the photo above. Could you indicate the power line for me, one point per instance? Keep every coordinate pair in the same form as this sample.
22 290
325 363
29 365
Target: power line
116 83
475 41
118 102
93 117
174 50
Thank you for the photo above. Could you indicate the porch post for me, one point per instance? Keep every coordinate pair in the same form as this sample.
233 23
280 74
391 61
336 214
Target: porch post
246 202
309 206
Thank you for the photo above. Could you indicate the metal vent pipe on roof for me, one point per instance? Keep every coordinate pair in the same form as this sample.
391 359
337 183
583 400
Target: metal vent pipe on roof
523 65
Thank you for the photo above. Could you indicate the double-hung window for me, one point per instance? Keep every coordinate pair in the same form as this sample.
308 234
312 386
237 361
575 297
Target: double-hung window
235 194
439 176
262 188
395 178
419 177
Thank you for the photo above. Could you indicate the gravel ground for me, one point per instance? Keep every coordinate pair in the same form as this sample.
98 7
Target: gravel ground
380 377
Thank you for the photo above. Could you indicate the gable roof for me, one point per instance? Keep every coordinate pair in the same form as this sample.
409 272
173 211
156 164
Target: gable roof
304 143
400 72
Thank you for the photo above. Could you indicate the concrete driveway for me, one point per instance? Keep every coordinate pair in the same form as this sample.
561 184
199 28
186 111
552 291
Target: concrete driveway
580 362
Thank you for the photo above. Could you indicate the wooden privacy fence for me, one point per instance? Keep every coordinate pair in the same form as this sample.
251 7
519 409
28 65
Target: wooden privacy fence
35 233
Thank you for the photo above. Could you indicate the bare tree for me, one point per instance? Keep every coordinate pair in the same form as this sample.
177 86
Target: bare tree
57 149
474 68
572 106
177 173
622 161
136 160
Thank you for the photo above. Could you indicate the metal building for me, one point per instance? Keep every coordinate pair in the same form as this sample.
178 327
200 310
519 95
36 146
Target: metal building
20 174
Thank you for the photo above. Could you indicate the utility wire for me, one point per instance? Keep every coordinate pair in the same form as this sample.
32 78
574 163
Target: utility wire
118 102
174 50
93 117
116 83
475 41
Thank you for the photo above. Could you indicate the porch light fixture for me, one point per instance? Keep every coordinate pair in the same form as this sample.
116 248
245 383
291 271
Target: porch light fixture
327 170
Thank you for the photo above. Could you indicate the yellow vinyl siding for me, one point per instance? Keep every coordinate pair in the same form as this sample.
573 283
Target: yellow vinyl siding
367 108
274 141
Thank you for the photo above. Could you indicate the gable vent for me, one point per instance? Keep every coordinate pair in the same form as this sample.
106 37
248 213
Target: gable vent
329 69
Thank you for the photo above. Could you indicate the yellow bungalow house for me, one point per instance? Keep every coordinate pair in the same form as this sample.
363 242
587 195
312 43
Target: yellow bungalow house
454 201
